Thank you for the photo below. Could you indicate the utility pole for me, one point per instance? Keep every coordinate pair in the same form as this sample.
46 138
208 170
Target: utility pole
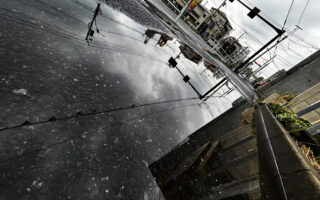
204 70
222 4
268 49
223 81
263 66
205 3
212 14
90 31
253 12
183 10
241 36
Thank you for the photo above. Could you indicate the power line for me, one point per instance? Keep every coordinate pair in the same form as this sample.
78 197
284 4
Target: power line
304 41
256 39
284 24
32 23
290 8
55 9
78 137
283 28
299 44
304 9
274 63
283 60
301 57
79 114
265 15
68 35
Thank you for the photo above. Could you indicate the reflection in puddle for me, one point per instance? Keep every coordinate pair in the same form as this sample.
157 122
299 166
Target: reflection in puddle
70 83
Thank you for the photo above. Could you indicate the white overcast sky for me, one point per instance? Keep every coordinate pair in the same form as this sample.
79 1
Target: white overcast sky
290 52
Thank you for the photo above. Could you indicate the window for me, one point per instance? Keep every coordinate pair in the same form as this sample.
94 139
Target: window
195 14
204 15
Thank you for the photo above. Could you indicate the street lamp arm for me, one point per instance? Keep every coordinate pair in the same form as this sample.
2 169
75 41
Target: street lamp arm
263 19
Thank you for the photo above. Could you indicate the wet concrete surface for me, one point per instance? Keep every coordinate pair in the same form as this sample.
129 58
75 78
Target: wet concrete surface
48 70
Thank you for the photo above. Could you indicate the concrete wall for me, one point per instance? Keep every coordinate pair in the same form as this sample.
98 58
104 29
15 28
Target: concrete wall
291 174
300 78
247 167
225 123
304 100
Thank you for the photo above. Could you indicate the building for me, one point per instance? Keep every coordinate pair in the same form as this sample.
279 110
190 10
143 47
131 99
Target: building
233 50
194 18
240 55
218 25
150 33
218 73
189 53
213 22
197 16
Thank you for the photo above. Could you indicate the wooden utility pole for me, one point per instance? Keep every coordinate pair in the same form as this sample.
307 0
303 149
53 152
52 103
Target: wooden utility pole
90 31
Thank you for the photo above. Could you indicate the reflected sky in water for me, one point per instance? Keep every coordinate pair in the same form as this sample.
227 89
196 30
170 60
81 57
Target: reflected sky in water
102 156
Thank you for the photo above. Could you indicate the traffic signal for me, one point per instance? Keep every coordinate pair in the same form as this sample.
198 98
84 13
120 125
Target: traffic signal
172 62
254 12
186 78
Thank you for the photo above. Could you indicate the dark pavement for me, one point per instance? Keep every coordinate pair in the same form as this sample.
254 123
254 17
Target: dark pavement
49 72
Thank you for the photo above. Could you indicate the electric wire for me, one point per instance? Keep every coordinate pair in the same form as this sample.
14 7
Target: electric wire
291 50
49 24
265 15
124 123
77 38
304 9
288 14
106 46
79 114
27 23
283 27
69 35
55 9
299 44
304 41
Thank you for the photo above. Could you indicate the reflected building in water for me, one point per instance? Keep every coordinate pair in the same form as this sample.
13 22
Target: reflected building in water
190 54
164 38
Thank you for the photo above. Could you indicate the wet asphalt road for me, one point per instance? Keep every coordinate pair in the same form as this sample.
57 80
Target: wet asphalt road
47 70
